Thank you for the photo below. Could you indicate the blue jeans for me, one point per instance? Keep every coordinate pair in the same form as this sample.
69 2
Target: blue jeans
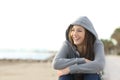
91 77
66 77
86 77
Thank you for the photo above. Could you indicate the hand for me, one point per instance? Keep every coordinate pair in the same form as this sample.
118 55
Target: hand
87 60
63 71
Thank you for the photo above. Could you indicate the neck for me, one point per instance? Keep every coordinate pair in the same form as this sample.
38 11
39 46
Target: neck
79 48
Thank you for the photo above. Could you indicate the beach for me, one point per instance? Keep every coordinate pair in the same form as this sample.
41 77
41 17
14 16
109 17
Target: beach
42 70
26 70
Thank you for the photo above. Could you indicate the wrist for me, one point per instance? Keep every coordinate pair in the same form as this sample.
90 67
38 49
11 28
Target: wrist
86 60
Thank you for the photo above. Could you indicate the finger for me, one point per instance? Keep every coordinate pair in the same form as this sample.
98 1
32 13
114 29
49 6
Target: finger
59 73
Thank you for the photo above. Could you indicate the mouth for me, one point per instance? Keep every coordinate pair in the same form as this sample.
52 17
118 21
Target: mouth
76 39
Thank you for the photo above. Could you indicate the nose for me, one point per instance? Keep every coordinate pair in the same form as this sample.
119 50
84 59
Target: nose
74 33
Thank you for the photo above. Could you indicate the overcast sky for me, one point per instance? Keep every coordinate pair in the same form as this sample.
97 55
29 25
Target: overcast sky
41 24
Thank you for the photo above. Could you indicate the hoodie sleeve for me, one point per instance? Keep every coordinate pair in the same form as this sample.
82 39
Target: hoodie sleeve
92 66
61 59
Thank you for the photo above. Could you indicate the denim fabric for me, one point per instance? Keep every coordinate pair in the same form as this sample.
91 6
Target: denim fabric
66 77
86 77
91 77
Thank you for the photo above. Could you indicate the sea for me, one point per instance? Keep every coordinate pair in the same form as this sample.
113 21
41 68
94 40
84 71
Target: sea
25 55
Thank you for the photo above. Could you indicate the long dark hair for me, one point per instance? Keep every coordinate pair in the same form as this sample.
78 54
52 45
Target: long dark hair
88 44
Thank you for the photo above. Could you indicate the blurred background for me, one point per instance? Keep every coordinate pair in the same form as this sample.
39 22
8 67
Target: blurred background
32 32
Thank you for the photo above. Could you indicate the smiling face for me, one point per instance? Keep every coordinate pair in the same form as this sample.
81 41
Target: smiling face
77 34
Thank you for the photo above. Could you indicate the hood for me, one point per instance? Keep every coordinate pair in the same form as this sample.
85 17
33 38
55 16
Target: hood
84 22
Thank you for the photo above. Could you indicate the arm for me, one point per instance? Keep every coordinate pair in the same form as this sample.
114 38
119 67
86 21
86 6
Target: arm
61 60
92 66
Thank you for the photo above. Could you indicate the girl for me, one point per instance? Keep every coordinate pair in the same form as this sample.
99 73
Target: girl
82 55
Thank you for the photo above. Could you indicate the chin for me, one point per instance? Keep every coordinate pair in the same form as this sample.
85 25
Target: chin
77 43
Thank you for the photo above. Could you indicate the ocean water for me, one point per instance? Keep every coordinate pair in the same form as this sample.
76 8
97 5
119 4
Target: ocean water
24 55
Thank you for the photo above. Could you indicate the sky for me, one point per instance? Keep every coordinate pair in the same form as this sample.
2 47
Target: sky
41 24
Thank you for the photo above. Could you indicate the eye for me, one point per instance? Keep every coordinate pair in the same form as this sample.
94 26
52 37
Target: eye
79 30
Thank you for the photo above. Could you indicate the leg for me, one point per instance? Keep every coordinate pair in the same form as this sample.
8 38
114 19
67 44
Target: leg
93 76
66 77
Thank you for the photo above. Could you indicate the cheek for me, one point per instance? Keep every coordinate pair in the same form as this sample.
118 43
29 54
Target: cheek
82 37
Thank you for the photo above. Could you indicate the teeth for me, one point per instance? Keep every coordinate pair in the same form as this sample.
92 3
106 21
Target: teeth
76 39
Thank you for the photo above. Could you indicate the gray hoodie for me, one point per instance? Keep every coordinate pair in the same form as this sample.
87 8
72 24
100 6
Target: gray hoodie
68 56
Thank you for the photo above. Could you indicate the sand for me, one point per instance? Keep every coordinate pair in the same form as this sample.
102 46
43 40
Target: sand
36 70
22 70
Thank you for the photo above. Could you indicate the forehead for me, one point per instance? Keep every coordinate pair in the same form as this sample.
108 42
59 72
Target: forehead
77 27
